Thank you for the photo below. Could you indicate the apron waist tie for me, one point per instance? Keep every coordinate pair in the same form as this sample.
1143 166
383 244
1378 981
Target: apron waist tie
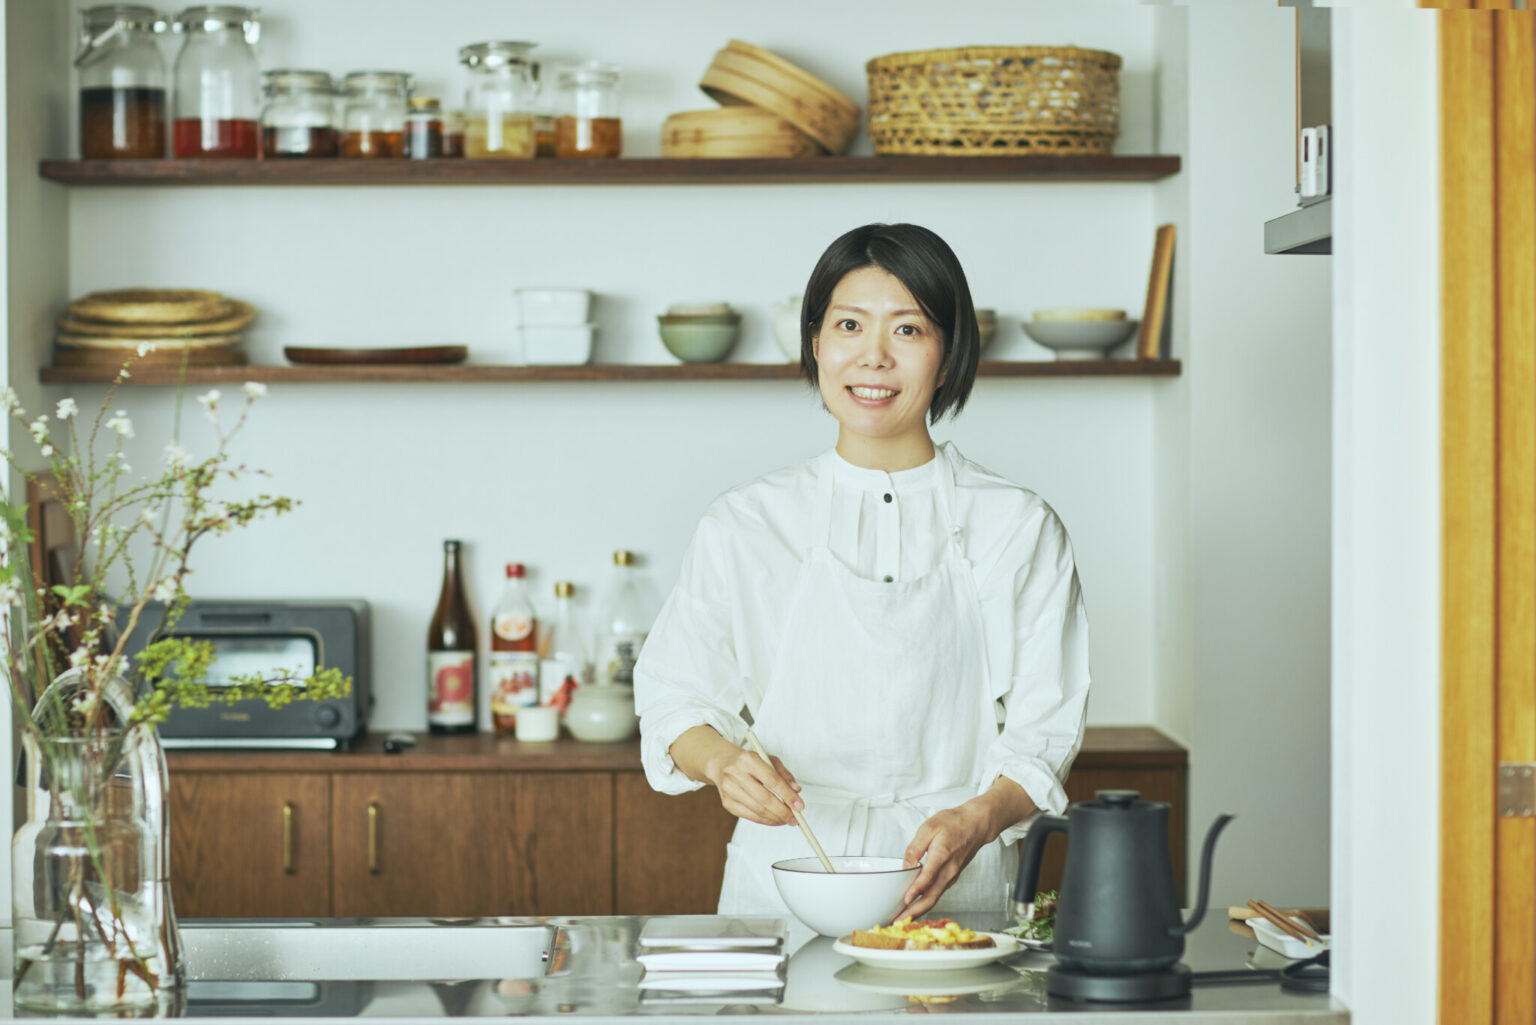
851 810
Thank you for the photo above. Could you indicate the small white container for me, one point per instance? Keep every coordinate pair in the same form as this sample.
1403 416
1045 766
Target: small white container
557 344
565 307
538 723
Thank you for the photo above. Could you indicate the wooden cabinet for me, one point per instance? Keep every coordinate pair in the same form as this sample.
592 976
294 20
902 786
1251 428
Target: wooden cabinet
471 843
247 845
474 826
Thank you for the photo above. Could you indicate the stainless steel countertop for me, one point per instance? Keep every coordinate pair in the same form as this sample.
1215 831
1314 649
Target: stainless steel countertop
429 969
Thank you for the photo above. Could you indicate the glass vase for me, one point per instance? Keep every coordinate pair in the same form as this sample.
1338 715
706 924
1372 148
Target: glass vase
94 929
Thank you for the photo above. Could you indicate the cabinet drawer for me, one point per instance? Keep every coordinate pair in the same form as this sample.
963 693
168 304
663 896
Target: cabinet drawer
250 846
669 852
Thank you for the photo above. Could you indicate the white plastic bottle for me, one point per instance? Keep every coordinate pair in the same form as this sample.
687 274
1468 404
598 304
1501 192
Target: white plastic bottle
627 614
566 651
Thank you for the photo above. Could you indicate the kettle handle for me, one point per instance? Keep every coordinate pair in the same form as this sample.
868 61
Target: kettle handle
1033 851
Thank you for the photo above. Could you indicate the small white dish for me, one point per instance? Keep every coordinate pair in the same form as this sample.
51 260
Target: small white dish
561 307
1281 942
1079 339
931 960
556 344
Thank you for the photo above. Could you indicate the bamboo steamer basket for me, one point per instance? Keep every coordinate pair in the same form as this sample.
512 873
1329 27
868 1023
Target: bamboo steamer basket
150 305
733 132
236 315
743 74
995 100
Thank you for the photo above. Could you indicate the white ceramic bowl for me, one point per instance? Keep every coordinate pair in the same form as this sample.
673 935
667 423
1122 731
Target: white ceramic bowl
863 892
1079 339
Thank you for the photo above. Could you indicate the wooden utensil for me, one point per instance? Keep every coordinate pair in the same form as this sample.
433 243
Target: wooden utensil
1269 910
826 863
1280 922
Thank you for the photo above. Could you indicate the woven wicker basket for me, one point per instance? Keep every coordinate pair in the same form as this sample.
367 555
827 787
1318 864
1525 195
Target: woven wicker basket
995 100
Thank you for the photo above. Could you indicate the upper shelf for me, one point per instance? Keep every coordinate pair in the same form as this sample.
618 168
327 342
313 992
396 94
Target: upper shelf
470 372
627 171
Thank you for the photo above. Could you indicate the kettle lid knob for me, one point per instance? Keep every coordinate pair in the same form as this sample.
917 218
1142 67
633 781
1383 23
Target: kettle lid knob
1118 798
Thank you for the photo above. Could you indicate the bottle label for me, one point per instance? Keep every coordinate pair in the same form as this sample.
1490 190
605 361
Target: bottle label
616 657
512 626
554 672
514 681
451 688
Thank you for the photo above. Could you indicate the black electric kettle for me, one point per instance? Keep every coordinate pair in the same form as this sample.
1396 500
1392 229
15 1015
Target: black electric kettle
1117 912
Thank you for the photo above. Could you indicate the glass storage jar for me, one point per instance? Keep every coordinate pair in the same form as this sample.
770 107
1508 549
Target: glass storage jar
217 82
453 133
544 112
122 83
299 119
373 122
498 103
589 124
423 128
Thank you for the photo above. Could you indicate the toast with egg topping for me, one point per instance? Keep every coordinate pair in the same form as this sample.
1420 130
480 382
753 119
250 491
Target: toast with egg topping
932 934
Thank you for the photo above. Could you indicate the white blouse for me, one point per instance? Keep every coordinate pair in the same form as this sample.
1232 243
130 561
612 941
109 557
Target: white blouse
712 649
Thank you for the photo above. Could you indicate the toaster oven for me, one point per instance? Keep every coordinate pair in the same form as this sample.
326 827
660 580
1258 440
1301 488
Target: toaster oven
249 637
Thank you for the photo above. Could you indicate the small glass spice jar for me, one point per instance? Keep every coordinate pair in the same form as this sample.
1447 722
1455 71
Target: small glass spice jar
122 83
299 119
589 124
423 128
373 115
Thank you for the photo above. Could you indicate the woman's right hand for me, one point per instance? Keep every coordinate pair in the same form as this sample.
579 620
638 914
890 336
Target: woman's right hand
755 790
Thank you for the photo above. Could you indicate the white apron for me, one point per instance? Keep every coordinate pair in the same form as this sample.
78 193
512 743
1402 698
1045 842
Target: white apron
879 703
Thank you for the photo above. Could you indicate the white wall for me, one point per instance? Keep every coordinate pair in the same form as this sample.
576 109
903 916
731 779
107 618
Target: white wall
1386 514
559 475
1258 382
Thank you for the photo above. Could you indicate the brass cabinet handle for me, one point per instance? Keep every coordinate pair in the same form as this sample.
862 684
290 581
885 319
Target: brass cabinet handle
287 838
373 837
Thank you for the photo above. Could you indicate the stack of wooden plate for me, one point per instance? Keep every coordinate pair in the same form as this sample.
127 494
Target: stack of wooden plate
770 108
176 325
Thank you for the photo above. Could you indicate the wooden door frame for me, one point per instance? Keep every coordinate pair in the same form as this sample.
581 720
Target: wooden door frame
1488 350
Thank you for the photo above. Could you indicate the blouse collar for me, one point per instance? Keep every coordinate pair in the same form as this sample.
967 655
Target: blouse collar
918 478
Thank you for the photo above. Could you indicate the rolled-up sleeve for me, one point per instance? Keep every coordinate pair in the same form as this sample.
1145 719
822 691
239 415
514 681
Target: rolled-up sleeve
687 674
1047 695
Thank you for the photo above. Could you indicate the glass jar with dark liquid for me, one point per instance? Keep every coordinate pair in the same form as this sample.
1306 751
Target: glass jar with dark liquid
122 83
218 83
299 119
373 119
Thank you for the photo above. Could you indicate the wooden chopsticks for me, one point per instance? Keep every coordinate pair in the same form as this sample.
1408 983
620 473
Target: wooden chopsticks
1301 932
805 827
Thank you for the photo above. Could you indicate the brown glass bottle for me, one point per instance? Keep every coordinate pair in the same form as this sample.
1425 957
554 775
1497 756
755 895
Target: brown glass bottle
452 685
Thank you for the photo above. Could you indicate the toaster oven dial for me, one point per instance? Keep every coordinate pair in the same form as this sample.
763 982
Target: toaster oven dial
327 717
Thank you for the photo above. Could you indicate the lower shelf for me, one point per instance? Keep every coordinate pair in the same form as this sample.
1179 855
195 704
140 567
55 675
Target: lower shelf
469 373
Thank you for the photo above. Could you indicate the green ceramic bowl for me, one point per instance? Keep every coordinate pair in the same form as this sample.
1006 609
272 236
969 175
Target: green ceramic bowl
698 342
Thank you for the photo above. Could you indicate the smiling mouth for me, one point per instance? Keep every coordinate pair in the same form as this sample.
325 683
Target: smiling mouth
871 394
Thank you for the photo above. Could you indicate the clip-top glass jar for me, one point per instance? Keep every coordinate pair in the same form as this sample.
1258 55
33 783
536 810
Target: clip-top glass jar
498 104
299 119
373 122
218 82
589 124
122 83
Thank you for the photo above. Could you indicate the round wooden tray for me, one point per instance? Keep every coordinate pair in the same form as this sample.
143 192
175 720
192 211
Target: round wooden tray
404 354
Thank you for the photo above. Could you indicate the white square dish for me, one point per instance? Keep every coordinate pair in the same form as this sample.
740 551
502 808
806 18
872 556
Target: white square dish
565 307
557 345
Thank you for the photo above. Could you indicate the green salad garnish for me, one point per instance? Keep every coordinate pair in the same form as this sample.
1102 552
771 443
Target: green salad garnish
1041 925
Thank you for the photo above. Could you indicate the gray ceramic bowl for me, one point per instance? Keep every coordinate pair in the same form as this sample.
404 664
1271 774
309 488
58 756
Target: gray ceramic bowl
1079 339
697 342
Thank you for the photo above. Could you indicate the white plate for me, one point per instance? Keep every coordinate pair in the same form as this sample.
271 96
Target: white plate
930 960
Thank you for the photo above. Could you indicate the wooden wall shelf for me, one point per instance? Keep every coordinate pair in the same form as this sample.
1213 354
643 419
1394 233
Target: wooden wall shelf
627 171
469 373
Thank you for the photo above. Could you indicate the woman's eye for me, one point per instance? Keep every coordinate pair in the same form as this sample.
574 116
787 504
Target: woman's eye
909 330
847 324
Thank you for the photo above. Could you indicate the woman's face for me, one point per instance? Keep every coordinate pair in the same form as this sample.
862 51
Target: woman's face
878 358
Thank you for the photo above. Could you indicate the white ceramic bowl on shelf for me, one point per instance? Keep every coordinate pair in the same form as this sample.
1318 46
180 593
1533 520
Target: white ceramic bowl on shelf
1079 339
863 892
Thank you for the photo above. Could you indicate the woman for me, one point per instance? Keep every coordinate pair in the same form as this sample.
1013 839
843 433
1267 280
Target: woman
904 629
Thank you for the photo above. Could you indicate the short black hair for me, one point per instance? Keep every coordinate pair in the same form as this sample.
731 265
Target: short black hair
924 263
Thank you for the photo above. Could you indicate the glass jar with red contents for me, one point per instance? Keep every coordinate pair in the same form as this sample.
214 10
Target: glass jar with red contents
122 83
299 119
373 118
217 82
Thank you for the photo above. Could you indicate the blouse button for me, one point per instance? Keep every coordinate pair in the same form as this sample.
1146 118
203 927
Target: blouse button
889 579
887 496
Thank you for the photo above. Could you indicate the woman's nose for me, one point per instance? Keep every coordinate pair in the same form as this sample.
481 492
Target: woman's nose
873 352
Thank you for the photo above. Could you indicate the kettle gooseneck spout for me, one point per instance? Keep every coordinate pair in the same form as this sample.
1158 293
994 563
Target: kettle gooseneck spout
1198 913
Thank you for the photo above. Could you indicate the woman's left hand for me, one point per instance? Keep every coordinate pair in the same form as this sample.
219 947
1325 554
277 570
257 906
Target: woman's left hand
944 845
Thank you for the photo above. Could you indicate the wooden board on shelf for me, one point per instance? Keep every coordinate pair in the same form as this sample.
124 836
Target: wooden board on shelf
474 373
628 170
